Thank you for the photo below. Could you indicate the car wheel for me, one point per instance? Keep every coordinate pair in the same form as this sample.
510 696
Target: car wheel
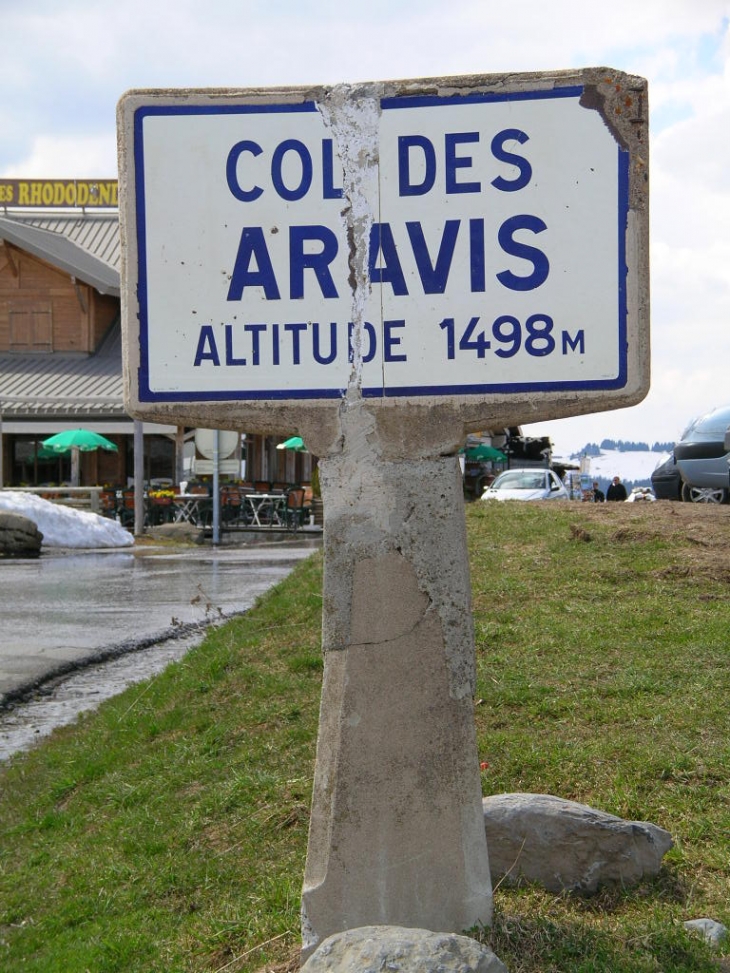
692 494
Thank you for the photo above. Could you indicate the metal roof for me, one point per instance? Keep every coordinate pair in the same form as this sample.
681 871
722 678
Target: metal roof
64 384
96 233
42 385
64 253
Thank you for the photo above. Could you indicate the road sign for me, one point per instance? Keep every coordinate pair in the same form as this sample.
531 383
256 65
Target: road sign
381 268
477 240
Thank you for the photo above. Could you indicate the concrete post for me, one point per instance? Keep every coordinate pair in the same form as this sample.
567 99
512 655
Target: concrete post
179 454
216 488
397 833
75 467
138 478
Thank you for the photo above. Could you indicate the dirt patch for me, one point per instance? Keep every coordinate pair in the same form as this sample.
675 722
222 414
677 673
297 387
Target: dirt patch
699 533
628 536
580 533
290 965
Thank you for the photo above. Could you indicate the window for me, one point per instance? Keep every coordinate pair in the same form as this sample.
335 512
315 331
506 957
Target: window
31 327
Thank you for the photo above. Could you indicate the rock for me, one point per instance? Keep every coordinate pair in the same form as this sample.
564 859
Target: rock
563 845
714 932
371 949
182 531
19 536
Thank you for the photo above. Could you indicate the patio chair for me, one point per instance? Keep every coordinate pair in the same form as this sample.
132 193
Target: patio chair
204 509
125 508
294 511
231 508
108 504
159 510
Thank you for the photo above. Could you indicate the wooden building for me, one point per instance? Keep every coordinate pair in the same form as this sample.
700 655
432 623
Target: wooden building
61 358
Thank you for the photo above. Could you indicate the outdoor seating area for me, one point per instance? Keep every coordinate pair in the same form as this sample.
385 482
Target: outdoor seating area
259 506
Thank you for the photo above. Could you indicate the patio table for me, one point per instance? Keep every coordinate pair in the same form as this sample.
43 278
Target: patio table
189 508
260 503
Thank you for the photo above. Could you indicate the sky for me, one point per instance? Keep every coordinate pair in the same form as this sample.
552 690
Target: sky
66 63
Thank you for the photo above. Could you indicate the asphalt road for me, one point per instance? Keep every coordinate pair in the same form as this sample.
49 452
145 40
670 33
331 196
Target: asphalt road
63 611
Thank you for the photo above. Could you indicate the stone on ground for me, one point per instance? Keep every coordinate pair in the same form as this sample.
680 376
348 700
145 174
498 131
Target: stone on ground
563 845
710 930
372 949
19 536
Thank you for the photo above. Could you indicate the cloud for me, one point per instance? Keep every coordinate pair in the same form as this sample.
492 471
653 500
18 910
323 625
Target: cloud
53 157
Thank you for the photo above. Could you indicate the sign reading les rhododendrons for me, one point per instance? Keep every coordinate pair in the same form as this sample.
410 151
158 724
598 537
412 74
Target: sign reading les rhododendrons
501 232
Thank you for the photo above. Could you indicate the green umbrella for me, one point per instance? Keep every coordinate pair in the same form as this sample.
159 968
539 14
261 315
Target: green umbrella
82 439
295 443
483 452
47 454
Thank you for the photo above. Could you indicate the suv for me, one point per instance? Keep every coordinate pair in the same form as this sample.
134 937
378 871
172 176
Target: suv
703 455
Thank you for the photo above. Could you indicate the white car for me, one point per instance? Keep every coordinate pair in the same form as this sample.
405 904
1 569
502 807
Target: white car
527 484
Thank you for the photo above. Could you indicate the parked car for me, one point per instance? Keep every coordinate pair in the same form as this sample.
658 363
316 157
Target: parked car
526 484
703 458
666 480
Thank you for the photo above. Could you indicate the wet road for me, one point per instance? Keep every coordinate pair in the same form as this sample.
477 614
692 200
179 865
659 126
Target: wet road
62 611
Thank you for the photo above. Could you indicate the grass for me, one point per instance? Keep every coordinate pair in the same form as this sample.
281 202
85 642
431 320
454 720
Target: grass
167 831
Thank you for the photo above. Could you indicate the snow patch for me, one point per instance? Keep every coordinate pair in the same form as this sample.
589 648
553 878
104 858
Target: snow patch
64 526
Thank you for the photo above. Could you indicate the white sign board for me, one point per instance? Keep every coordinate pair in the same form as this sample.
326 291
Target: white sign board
496 238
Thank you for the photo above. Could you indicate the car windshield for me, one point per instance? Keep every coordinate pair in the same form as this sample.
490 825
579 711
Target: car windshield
520 480
713 424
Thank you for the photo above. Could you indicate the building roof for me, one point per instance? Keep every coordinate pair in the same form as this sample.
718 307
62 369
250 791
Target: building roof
35 385
57 247
96 233
41 385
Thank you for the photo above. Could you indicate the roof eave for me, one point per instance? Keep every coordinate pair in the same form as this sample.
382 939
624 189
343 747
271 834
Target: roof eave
106 283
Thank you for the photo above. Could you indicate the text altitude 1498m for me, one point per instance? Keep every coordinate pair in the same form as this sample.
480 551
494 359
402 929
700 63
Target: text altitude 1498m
508 333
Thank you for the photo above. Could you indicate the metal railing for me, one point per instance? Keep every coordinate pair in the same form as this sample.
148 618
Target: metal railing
85 497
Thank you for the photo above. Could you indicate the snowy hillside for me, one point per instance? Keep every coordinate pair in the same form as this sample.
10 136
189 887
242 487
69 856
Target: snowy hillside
636 467
633 466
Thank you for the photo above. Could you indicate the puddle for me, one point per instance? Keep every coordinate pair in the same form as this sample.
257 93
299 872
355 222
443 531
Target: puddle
81 628
28 723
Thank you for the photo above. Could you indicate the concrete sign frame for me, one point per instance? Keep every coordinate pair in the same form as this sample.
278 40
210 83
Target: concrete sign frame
389 387
476 246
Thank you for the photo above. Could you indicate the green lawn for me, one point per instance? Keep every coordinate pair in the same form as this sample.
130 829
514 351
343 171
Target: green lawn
167 831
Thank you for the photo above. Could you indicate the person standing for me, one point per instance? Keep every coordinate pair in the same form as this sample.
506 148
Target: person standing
598 494
616 490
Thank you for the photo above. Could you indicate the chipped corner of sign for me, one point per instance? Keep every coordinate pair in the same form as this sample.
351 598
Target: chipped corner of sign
622 101
351 114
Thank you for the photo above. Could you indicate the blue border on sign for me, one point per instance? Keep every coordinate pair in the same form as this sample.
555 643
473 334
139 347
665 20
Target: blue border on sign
146 394
431 101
